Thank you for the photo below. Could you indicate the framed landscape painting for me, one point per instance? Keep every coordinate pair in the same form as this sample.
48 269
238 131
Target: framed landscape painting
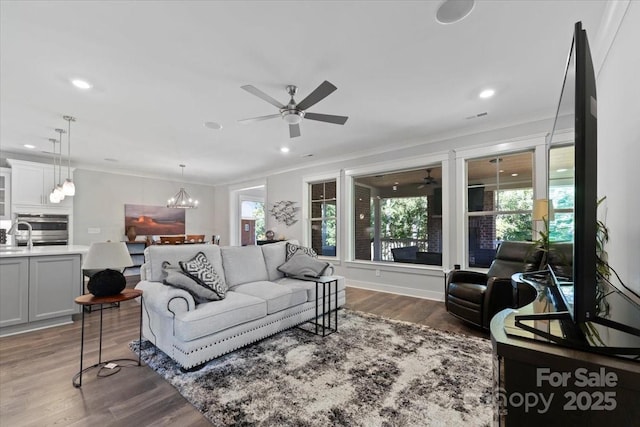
154 220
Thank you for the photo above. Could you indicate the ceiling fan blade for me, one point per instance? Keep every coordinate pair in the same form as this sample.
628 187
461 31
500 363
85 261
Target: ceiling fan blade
321 92
338 120
259 119
260 94
294 130
421 186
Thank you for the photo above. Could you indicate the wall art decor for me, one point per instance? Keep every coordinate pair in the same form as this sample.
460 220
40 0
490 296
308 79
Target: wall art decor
284 212
154 220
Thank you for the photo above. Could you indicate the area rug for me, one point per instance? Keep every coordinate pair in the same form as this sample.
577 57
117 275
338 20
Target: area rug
373 372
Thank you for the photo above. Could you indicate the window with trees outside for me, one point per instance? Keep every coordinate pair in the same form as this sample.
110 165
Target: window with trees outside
499 203
398 216
561 193
323 218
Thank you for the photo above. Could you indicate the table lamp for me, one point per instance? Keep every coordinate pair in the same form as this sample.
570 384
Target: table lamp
110 258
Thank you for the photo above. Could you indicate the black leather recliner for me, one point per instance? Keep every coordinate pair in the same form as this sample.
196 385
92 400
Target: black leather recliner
476 297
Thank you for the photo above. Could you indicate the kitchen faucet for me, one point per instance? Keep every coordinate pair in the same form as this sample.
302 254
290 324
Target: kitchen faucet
14 229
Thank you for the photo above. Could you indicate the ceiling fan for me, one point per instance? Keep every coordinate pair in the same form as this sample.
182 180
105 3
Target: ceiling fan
293 112
428 180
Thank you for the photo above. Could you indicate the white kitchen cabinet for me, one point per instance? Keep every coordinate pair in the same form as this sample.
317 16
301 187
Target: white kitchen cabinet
54 282
38 291
31 184
14 291
5 193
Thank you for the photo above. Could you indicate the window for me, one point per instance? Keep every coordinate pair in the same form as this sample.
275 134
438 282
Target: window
398 216
561 193
323 217
499 203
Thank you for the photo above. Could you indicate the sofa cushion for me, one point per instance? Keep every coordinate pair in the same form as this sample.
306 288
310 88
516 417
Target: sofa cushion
216 316
310 286
274 256
277 297
156 255
301 264
292 248
243 264
179 279
203 272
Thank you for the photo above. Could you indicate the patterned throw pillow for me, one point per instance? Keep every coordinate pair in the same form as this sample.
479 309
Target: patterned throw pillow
201 270
174 276
292 249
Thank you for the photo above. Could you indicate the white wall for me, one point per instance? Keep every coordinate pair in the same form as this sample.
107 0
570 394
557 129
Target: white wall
100 199
618 88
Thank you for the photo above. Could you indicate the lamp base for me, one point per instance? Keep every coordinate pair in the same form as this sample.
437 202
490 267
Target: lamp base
106 283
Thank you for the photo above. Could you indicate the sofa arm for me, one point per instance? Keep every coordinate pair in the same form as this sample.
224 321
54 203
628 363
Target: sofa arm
165 300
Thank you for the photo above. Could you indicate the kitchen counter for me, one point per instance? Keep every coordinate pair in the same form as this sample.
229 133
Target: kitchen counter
7 251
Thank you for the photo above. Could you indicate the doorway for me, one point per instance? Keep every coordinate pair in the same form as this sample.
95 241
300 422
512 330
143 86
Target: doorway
252 225
247 202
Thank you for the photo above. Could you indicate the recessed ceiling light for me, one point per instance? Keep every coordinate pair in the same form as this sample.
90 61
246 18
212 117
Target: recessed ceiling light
284 149
452 11
213 125
81 84
29 146
514 174
487 93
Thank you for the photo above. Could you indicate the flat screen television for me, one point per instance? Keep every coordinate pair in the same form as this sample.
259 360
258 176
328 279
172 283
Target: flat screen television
578 101
592 313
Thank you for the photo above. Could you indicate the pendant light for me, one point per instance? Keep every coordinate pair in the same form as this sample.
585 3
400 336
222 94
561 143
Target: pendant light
68 188
182 200
53 196
58 187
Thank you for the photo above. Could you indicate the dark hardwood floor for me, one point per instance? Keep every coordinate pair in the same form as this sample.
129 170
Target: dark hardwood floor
36 368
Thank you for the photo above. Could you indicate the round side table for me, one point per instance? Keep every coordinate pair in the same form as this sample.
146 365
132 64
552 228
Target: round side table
90 299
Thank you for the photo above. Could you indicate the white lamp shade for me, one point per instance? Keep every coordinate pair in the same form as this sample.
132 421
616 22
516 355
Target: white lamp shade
53 197
542 210
103 255
58 191
68 188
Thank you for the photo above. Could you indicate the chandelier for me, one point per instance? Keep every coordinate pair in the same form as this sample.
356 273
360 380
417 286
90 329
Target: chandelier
182 199
54 196
57 194
68 187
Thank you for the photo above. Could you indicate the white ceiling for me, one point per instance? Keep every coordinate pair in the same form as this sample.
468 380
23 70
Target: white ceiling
160 69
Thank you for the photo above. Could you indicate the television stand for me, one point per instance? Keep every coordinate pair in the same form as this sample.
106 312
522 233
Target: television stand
544 383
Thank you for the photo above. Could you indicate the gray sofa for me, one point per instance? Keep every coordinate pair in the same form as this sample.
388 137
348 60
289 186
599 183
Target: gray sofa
260 301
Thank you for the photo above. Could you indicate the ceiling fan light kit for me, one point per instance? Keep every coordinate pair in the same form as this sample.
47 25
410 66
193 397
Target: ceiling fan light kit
293 112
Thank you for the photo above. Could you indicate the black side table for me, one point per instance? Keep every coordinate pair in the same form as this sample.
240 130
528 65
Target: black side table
90 299
324 327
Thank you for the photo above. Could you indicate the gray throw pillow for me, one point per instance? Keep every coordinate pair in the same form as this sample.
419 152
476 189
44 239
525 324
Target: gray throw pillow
301 264
292 249
201 270
173 276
